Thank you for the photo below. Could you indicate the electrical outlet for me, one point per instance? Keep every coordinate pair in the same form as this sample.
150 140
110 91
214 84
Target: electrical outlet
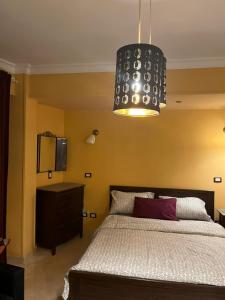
93 215
85 214
217 179
88 175
49 174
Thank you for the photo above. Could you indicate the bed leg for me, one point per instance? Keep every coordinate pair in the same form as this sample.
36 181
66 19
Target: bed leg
54 251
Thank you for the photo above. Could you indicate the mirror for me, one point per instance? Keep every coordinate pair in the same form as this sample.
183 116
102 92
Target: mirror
51 153
46 153
61 154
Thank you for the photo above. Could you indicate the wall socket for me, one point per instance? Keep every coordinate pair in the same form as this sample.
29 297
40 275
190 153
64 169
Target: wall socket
93 215
86 214
87 175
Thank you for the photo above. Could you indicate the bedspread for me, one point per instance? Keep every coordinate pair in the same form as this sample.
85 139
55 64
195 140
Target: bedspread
180 251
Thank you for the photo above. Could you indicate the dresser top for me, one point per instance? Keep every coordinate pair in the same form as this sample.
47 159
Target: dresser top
60 187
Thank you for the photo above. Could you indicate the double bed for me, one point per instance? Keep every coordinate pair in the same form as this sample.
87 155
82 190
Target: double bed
134 258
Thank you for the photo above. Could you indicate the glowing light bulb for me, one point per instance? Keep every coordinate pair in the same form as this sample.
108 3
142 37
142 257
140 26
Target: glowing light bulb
136 112
136 87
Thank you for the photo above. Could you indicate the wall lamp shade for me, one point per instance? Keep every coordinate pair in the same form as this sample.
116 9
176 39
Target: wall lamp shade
140 83
91 139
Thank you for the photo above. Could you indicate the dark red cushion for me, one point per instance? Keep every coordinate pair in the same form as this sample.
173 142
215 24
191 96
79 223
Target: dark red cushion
164 209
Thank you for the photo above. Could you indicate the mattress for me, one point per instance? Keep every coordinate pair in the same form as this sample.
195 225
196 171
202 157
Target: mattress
178 251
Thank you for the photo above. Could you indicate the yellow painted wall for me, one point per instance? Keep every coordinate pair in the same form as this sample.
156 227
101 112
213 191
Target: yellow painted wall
50 119
15 171
30 154
27 119
38 119
95 90
177 149
182 149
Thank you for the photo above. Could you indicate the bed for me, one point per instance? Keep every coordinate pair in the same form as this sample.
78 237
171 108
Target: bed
135 259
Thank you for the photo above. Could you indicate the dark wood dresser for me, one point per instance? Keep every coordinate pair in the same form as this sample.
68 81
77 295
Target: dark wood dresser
58 214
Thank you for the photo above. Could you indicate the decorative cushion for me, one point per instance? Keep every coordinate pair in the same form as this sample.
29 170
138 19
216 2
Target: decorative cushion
123 202
190 208
164 209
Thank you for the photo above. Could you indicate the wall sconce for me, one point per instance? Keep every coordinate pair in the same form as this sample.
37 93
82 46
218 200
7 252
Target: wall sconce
224 129
91 139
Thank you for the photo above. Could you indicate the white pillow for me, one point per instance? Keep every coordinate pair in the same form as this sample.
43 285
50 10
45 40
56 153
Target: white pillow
190 208
123 202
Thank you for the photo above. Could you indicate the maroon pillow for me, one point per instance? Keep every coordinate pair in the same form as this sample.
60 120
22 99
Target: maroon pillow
164 209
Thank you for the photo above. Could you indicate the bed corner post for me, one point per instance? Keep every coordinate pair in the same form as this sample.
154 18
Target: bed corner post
74 282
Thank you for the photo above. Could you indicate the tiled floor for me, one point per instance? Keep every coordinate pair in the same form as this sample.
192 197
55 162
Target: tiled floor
44 273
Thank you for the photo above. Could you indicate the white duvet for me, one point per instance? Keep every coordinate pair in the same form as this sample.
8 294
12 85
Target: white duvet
181 251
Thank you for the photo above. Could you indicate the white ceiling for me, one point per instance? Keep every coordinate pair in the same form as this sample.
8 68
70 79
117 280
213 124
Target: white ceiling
56 36
86 33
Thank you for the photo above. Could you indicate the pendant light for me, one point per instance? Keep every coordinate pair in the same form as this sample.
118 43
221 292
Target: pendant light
140 82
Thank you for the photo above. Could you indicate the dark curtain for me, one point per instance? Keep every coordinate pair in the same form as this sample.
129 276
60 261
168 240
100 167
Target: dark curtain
5 80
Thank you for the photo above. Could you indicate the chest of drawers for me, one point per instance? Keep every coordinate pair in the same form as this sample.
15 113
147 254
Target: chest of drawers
58 214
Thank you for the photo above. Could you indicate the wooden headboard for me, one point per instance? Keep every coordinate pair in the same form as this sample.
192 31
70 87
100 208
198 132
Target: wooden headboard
206 196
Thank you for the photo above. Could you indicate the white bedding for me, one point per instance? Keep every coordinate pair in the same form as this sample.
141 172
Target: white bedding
181 251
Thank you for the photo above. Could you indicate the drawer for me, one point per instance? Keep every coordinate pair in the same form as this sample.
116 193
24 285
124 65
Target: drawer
68 211
72 194
65 232
69 204
69 222
67 217
71 198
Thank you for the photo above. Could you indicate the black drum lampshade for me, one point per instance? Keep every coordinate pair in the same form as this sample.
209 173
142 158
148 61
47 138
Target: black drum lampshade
140 83
163 85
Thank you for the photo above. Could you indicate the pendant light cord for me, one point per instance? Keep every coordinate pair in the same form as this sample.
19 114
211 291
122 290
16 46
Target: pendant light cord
150 22
139 23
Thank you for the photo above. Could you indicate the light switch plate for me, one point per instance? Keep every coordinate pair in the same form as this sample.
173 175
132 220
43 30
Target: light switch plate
217 179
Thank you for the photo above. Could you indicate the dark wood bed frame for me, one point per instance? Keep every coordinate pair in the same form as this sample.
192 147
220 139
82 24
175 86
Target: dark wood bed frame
96 286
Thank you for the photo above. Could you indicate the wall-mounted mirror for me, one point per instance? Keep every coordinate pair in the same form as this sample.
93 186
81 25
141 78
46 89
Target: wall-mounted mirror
51 153
61 154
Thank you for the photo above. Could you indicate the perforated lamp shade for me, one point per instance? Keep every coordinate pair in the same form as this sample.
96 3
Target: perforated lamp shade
140 84
162 95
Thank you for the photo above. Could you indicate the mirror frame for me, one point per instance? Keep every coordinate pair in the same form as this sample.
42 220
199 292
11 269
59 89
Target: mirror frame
45 134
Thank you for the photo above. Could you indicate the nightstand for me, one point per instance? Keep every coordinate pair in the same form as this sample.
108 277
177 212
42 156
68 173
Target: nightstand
222 216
